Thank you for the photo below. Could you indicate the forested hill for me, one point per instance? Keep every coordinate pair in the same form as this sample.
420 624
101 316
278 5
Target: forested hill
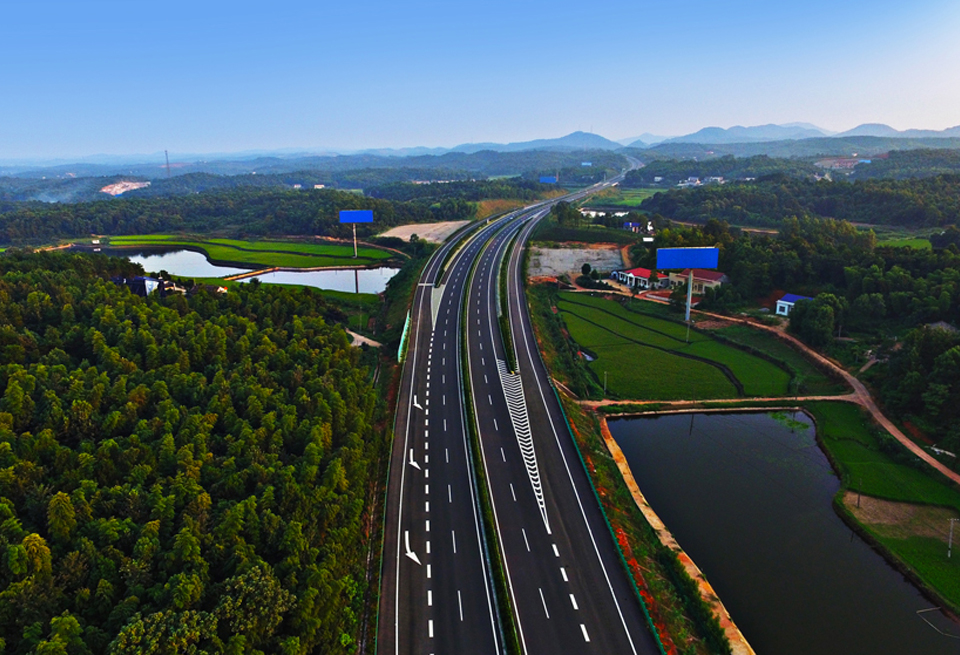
927 202
178 475
246 211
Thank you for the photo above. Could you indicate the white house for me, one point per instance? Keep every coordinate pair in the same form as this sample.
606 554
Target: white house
638 278
785 304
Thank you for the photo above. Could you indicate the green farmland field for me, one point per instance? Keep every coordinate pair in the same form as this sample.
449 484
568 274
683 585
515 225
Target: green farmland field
648 357
288 254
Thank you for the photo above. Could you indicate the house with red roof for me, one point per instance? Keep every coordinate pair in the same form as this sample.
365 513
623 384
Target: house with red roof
638 278
702 279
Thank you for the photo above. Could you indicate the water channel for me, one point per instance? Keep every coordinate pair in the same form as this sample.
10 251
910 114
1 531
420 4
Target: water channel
749 497
188 263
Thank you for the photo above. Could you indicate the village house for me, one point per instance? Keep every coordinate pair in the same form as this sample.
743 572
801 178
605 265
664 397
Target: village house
785 304
702 279
637 278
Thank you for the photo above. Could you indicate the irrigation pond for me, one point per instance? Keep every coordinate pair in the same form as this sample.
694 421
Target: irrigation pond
188 263
749 498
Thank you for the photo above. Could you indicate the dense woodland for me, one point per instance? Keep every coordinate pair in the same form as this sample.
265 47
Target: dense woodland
245 212
927 202
178 475
729 167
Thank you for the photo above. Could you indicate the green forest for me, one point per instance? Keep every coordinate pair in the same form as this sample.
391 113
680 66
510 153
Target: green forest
240 212
925 202
182 475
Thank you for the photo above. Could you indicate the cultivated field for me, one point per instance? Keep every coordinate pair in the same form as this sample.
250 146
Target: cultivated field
647 357
287 254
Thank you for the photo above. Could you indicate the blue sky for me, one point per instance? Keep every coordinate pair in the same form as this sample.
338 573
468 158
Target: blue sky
111 76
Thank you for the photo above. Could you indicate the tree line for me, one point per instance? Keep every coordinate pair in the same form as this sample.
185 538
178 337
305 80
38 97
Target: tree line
179 474
926 202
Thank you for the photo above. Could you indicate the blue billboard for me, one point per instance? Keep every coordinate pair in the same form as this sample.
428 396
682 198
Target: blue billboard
548 179
668 258
356 216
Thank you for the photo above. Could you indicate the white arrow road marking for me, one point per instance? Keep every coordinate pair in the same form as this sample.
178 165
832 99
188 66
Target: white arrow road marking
415 403
413 462
406 542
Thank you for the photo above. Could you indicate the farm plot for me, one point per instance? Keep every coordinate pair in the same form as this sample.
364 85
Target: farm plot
648 357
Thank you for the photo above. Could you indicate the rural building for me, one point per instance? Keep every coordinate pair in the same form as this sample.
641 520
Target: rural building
702 279
785 304
630 226
637 278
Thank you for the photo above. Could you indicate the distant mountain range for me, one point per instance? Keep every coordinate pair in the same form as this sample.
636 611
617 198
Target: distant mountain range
790 139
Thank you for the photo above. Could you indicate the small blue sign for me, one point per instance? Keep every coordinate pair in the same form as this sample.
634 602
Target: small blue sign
548 179
356 216
668 258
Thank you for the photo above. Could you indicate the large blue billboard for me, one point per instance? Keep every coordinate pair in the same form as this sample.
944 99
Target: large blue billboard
668 258
356 216
548 179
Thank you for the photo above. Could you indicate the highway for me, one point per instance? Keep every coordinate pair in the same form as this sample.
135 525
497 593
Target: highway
568 590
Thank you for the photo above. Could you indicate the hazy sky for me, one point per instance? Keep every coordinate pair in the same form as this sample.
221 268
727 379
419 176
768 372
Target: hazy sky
111 76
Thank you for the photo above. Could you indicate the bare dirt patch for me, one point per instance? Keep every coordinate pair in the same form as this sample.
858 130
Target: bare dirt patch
551 262
433 232
898 520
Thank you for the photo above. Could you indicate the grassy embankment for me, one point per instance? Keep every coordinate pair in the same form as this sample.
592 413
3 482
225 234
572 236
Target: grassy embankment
870 461
648 357
262 254
550 232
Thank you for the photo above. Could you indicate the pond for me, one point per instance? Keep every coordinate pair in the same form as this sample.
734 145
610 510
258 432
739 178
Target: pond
748 497
188 263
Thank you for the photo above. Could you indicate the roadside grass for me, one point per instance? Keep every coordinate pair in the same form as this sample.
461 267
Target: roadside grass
808 380
870 461
288 254
612 332
548 230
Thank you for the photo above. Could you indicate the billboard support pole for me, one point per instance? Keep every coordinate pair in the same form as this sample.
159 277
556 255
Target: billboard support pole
689 293
354 240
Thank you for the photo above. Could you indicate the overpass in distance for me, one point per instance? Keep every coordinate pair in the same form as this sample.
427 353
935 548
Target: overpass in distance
567 589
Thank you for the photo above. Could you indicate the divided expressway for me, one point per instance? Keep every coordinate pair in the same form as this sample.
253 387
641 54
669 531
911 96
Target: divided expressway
567 588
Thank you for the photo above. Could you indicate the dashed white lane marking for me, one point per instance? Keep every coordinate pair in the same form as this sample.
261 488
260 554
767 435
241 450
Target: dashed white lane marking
485 380
426 490
429 598
583 629
544 601
495 426
555 551
454 535
444 425
490 398
517 405
427 506
428 546
426 459
443 378
430 624
429 571
444 401
428 525
460 603
483 362
573 601
449 494
446 452
524 539
513 493
426 445
503 454
563 572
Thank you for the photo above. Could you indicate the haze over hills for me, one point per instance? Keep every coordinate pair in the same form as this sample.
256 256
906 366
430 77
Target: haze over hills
791 139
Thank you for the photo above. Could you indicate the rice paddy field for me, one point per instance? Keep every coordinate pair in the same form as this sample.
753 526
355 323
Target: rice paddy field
648 357
287 254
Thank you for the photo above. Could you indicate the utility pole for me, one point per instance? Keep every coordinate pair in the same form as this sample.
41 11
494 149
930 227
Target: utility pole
354 240
604 383
950 540
167 156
